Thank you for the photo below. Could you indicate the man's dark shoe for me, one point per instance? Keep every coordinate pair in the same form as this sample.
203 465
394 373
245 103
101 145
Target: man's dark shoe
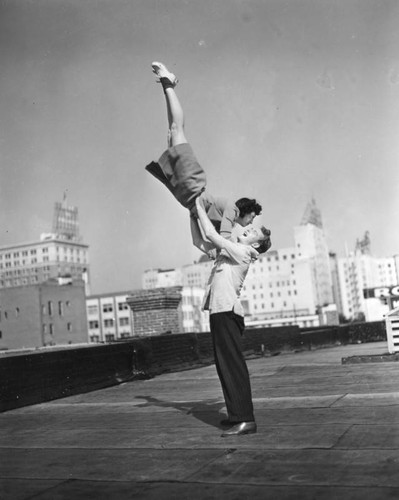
240 429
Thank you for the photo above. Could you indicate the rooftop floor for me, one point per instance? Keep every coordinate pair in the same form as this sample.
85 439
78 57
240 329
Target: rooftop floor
325 431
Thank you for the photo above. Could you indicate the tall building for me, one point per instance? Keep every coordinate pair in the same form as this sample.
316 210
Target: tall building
358 271
109 317
336 288
312 251
293 285
49 313
57 254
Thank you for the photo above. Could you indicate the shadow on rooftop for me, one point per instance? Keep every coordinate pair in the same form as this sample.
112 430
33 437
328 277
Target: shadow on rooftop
207 411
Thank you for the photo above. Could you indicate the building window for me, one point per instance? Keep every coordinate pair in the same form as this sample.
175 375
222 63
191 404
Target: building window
60 308
93 324
94 338
108 323
122 306
107 308
69 327
92 310
51 328
123 321
109 338
16 312
50 308
44 328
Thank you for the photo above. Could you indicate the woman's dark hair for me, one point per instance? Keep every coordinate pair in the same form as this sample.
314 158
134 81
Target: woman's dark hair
265 244
247 206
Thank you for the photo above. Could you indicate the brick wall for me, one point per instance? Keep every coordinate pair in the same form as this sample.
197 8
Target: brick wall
155 311
367 332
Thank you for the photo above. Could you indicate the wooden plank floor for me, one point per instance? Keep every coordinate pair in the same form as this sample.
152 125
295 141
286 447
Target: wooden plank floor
325 431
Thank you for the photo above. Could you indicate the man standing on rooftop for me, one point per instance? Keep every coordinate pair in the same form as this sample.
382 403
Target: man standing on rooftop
179 170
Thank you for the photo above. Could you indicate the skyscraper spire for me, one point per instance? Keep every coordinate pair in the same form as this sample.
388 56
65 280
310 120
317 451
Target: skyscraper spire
312 215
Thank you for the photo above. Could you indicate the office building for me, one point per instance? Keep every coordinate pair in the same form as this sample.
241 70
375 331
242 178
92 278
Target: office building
46 314
109 317
293 285
360 271
57 254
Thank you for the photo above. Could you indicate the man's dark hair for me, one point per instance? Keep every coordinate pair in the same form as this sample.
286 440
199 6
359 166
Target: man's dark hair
247 206
265 244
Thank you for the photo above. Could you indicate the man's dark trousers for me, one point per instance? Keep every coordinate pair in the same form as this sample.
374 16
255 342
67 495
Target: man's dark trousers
227 329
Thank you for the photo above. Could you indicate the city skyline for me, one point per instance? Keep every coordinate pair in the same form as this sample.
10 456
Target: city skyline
285 101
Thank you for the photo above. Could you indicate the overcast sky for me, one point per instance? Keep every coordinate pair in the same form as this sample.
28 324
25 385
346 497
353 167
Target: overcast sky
285 100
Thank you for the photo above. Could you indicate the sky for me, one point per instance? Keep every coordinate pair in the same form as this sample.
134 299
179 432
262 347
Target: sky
284 101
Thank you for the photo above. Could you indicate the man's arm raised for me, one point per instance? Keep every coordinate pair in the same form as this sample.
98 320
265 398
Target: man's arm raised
208 229
198 240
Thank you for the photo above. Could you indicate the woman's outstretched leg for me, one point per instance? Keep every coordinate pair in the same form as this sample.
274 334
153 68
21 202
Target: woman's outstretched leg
174 109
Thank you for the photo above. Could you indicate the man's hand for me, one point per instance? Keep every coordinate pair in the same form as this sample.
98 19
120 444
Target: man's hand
254 253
